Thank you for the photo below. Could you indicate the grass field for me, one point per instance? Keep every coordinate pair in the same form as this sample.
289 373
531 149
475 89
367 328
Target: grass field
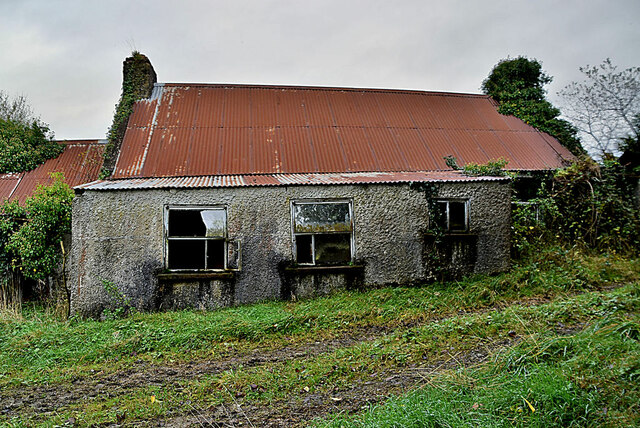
554 341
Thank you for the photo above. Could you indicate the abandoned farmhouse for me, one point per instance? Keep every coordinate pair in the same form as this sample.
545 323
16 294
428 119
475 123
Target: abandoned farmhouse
229 194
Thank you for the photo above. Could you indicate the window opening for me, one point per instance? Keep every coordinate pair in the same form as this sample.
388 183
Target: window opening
323 232
453 215
196 238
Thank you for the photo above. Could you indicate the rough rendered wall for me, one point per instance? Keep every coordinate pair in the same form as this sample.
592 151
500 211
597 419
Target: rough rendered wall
118 235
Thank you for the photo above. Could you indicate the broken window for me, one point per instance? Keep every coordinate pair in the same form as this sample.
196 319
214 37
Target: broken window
452 215
323 232
196 238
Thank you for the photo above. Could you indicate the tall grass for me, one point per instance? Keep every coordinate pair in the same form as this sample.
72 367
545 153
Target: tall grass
10 298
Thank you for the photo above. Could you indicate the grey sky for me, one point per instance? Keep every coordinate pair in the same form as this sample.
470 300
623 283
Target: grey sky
66 56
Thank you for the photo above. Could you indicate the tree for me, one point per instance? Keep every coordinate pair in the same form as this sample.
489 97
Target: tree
25 141
630 147
605 106
518 86
17 109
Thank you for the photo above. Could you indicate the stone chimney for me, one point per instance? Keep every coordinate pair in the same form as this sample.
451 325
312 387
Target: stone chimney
138 75
138 78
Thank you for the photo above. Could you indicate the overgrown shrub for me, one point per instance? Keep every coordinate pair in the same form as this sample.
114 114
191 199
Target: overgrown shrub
45 219
31 235
493 168
25 146
584 204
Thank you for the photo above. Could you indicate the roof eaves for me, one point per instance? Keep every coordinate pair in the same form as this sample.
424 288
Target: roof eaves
274 180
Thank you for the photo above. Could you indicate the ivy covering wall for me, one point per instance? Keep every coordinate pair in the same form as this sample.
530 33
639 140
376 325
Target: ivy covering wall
137 83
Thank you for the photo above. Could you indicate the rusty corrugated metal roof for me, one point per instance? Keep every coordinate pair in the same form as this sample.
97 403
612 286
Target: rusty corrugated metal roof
80 162
283 180
210 130
8 184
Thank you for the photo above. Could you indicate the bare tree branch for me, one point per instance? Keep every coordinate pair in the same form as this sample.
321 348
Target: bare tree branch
603 106
16 109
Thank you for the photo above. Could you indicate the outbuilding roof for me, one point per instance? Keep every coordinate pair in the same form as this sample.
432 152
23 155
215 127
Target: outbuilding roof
196 130
79 162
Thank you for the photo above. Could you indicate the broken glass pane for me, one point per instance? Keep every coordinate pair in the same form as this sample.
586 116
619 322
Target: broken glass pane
304 252
322 217
185 223
215 254
200 223
186 254
214 221
457 216
440 216
334 248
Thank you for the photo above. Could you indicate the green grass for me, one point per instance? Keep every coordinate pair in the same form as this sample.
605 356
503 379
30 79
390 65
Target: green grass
590 379
533 371
39 348
431 323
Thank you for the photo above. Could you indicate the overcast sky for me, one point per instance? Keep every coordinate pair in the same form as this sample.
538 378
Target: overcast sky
66 56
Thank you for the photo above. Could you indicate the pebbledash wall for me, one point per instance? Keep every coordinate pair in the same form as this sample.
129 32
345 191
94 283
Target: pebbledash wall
118 238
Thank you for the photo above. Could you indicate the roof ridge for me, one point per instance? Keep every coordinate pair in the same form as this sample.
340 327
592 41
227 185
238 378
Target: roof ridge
320 88
81 141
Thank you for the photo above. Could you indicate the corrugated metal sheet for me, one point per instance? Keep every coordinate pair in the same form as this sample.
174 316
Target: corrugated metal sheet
283 180
80 162
204 130
8 184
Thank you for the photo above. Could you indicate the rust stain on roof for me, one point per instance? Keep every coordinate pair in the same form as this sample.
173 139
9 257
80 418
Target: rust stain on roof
206 130
80 162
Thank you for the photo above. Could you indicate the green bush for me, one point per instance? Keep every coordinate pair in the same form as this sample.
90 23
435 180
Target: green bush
493 168
584 204
31 236
25 146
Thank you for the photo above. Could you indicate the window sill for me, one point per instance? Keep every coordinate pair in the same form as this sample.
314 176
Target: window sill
453 234
182 276
324 269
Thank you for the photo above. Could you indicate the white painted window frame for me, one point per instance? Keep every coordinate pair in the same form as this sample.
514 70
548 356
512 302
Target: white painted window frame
314 201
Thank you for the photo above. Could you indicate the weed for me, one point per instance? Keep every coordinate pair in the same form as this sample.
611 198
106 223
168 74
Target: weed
10 297
121 302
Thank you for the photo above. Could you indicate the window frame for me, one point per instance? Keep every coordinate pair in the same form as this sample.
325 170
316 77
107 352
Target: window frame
167 238
294 234
448 201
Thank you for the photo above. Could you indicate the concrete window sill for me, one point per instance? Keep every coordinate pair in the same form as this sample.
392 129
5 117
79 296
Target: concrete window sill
461 234
187 276
324 269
